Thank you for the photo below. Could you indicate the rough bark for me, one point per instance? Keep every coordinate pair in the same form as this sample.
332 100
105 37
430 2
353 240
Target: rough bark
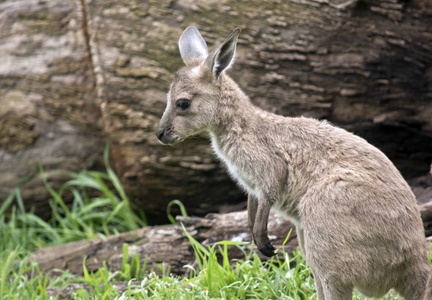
166 244
47 110
68 291
363 64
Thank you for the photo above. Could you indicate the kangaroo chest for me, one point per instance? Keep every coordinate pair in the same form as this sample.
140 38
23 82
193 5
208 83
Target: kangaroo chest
241 170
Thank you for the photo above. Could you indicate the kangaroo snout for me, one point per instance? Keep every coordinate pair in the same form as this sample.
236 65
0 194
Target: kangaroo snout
165 135
160 132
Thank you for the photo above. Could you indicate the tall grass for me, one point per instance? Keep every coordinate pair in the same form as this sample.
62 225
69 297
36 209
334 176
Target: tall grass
107 211
249 278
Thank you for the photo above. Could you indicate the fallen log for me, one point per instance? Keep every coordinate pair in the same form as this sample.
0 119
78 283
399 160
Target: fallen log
70 289
164 244
426 214
169 245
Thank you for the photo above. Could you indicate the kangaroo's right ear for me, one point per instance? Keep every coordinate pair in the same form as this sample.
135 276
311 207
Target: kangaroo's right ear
192 45
221 58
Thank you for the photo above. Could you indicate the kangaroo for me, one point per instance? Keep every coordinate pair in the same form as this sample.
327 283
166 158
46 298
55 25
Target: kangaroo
357 220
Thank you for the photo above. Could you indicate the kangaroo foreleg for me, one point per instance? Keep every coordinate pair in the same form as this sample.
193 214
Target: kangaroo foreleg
252 206
259 231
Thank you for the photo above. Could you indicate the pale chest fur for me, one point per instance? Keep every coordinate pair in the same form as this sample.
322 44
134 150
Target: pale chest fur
239 168
262 173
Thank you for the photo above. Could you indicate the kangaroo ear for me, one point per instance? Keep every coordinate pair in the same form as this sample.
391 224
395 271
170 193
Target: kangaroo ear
221 58
192 45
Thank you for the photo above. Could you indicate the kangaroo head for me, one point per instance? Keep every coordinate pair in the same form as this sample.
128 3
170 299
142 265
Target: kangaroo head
192 102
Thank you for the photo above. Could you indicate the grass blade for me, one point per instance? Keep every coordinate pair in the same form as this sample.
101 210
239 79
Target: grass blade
5 271
182 210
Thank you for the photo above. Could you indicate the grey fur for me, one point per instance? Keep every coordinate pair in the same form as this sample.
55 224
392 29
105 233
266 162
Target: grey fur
356 217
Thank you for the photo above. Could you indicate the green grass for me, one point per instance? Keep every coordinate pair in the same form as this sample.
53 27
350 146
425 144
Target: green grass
249 278
106 213
109 213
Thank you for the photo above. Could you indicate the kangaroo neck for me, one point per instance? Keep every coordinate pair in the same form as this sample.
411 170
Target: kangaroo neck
237 118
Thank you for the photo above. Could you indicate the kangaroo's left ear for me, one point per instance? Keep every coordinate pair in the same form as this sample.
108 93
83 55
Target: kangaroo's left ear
192 46
221 58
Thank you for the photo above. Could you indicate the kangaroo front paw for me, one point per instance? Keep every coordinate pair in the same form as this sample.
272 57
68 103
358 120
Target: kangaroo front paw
267 249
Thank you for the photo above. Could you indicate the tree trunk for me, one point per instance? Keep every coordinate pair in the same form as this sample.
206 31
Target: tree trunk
71 68
48 114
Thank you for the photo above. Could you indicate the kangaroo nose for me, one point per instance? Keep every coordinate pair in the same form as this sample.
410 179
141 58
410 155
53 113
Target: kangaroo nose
160 133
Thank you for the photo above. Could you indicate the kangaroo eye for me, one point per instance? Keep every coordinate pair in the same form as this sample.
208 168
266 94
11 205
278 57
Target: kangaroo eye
183 104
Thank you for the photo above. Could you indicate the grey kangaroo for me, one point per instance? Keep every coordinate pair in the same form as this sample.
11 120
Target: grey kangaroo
357 220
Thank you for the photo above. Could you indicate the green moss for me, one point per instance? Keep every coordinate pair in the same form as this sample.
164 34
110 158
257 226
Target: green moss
16 133
43 22
35 15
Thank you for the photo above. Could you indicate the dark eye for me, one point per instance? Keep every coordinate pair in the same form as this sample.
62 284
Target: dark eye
183 104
